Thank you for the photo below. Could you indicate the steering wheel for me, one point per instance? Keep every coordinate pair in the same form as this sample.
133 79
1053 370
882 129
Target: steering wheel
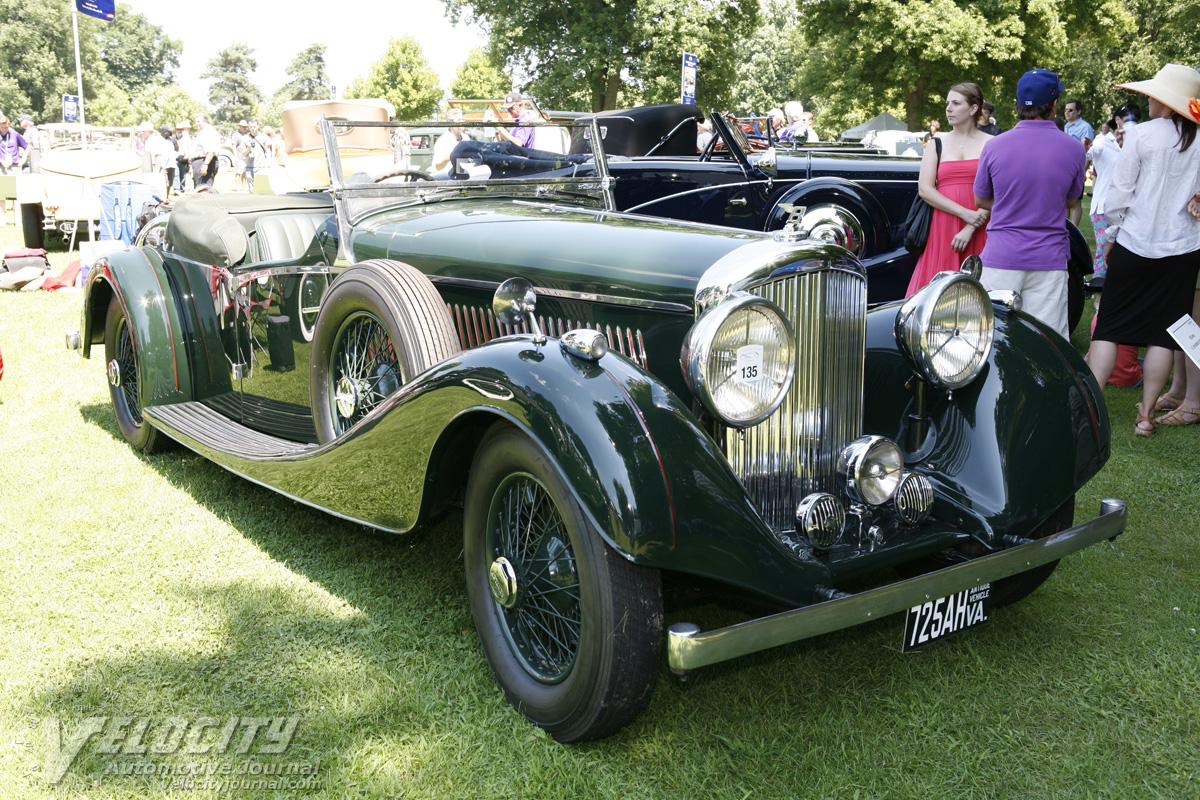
398 171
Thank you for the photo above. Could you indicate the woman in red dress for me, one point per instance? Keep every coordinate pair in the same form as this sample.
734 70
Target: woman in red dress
946 183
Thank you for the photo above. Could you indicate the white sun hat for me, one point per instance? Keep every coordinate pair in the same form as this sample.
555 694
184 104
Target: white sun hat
1175 86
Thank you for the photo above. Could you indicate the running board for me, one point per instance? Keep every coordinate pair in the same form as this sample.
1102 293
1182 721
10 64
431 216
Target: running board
195 423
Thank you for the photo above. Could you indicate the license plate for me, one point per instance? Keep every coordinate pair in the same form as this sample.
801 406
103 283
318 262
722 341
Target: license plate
946 616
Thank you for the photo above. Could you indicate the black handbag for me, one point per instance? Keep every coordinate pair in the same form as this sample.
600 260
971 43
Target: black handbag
920 215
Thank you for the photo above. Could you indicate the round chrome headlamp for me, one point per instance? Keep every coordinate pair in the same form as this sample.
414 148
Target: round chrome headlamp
738 359
871 468
946 330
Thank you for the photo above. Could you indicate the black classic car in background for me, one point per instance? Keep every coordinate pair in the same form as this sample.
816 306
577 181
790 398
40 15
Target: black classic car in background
852 195
619 402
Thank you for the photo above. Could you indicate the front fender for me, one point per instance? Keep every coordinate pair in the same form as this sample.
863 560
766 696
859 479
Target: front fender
643 469
137 279
1005 451
833 190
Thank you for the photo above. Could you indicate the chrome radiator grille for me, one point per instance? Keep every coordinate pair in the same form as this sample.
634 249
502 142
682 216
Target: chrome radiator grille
795 451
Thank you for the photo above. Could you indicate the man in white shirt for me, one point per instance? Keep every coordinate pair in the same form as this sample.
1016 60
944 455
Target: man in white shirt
445 143
204 159
161 150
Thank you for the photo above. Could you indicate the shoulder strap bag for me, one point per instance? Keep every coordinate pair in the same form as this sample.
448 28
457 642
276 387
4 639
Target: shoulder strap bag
920 214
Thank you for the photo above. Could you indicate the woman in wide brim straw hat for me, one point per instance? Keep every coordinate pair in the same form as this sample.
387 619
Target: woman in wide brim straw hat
1153 248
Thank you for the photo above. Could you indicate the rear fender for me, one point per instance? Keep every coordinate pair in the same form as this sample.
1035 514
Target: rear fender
137 279
1008 449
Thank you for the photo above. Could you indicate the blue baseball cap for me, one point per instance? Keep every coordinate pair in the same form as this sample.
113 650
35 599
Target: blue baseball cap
1038 87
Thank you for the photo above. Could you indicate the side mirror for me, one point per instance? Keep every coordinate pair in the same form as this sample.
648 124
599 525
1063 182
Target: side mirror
767 162
514 302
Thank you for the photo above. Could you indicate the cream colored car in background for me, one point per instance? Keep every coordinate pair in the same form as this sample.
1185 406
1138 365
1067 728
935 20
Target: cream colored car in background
77 160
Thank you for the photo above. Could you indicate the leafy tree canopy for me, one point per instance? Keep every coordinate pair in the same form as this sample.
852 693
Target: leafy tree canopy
138 54
481 76
402 77
231 93
165 105
767 74
1148 35
599 54
111 107
309 76
38 53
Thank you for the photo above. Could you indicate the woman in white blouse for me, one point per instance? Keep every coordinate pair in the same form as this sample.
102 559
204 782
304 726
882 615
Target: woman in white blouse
1153 247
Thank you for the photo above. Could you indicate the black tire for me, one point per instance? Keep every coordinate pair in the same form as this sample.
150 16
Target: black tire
31 225
1009 590
123 367
304 303
575 645
381 324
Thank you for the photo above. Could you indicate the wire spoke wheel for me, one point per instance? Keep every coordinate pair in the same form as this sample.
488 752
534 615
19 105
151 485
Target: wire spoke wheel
572 631
127 363
380 324
365 369
535 584
125 372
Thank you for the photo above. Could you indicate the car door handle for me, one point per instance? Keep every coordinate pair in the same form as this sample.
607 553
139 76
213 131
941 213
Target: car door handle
737 201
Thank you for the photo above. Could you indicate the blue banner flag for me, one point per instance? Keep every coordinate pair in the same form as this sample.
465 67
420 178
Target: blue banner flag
100 9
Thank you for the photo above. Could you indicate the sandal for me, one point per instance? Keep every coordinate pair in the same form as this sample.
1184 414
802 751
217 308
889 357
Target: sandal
1138 430
1179 415
1167 403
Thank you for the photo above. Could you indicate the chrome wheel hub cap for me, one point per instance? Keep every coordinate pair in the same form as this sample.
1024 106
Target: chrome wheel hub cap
502 579
346 397
114 373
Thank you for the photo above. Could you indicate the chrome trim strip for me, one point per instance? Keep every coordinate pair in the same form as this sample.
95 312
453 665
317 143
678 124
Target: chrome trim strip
490 286
688 648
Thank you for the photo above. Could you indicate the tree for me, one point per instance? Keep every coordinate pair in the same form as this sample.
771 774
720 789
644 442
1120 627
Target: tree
481 76
596 53
38 54
767 73
309 77
111 107
402 77
863 57
166 105
138 54
231 93
270 111
710 30
1133 47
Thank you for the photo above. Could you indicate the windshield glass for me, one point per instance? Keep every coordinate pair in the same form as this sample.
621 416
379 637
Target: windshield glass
375 164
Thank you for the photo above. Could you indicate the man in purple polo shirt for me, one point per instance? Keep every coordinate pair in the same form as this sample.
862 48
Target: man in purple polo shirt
1029 178
13 149
521 135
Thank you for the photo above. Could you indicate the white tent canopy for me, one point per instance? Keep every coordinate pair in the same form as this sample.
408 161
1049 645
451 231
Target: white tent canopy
882 122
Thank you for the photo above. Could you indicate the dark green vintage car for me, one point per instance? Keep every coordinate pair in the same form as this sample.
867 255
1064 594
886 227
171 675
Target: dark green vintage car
621 403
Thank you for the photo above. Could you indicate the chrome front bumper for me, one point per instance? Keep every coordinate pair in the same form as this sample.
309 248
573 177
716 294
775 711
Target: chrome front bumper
688 648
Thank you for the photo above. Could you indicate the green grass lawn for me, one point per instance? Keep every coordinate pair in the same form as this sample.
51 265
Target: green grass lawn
165 587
